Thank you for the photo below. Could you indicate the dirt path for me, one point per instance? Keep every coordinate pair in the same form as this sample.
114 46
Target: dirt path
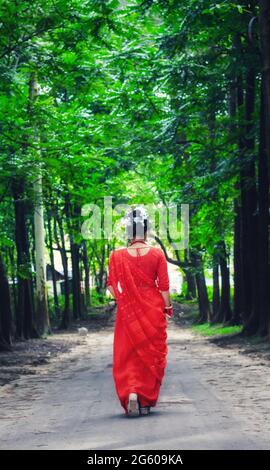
211 398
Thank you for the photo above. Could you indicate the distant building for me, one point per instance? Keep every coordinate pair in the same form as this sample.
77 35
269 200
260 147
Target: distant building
60 280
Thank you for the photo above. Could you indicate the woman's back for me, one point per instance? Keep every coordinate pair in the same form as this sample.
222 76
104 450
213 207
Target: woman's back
148 259
138 279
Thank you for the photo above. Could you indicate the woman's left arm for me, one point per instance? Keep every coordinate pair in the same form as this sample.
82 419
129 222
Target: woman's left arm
164 285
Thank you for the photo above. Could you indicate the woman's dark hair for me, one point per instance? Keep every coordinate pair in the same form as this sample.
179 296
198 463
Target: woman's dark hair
137 224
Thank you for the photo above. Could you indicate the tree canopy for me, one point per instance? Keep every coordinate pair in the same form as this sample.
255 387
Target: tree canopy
144 101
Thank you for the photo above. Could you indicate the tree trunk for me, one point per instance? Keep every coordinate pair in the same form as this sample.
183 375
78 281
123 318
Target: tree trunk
25 312
191 285
86 274
264 171
238 301
204 305
75 258
216 295
43 321
76 284
264 28
224 312
190 280
248 201
50 239
99 274
263 232
248 176
65 322
12 264
5 310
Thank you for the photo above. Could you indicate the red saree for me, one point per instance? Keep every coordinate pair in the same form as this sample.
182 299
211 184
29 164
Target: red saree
140 347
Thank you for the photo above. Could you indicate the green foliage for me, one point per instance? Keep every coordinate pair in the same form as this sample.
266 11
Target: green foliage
176 297
132 102
96 299
206 329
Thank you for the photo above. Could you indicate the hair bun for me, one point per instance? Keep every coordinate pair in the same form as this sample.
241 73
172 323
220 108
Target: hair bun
136 223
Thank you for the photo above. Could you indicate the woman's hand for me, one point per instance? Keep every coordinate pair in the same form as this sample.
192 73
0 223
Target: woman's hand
168 311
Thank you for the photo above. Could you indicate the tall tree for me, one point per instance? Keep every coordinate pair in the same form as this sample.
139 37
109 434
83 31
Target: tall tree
42 314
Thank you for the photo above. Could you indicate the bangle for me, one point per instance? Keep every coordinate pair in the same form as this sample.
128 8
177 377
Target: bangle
168 310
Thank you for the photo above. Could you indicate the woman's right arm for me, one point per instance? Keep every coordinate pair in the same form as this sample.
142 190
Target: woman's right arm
111 276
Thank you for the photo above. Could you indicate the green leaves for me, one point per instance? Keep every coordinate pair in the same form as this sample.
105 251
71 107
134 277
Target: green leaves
133 101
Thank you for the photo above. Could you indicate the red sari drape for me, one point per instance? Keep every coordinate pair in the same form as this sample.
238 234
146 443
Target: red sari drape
140 336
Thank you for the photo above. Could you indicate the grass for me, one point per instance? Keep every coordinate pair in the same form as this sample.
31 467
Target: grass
180 298
207 329
176 297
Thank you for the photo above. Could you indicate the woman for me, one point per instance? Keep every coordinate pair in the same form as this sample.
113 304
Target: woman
138 280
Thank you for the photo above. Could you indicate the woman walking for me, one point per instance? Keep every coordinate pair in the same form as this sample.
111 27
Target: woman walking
138 280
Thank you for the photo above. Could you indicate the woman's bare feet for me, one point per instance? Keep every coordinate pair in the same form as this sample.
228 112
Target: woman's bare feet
133 405
144 410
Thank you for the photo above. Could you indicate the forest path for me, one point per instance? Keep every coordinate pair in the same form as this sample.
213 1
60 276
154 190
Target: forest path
211 398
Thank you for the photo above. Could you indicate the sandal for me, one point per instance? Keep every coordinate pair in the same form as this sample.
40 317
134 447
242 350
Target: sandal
133 405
